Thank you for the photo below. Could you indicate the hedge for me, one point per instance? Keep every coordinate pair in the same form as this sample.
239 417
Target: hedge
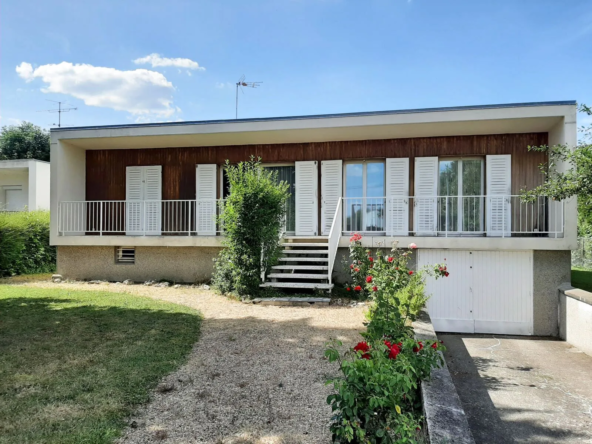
24 243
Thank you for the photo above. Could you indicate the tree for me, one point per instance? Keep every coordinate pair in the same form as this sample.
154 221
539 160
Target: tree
252 218
575 181
24 141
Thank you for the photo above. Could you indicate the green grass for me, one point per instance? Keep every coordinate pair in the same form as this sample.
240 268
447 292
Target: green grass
581 278
74 364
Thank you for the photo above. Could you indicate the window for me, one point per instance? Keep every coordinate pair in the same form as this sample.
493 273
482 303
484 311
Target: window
460 191
364 202
125 255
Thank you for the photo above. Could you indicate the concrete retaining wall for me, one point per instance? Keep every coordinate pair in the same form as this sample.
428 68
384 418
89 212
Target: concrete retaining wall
575 317
178 264
445 416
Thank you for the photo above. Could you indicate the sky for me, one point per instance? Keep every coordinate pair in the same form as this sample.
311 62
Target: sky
128 61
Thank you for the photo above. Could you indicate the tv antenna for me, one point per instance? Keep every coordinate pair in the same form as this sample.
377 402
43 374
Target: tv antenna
241 83
60 110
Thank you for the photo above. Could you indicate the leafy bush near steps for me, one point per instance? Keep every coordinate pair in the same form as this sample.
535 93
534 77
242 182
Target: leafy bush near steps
377 397
253 218
24 243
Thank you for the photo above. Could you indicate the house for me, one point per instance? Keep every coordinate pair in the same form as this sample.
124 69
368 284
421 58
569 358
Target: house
140 201
24 185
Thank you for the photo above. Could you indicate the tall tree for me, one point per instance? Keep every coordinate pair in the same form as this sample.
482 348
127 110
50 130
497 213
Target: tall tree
576 181
24 141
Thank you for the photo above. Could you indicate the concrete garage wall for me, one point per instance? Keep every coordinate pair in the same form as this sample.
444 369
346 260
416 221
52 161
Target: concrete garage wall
575 317
179 264
551 269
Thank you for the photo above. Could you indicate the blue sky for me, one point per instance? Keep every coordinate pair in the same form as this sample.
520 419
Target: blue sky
313 56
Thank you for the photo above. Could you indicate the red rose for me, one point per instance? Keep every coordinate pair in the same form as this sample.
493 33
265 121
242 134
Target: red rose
371 259
388 344
358 288
435 345
355 238
418 347
368 279
362 346
348 288
390 259
351 266
375 288
394 351
366 356
446 274
397 268
410 272
356 269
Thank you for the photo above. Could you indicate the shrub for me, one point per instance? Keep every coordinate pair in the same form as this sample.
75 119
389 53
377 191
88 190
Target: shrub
377 397
24 243
252 217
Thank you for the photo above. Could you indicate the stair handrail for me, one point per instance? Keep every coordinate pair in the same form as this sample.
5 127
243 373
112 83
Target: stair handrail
334 236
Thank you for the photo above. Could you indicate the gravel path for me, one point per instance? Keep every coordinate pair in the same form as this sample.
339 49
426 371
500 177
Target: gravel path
256 376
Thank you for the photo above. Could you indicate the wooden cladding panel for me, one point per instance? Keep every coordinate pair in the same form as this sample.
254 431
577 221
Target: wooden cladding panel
105 169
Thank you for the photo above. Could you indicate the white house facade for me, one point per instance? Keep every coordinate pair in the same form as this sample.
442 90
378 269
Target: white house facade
24 185
140 202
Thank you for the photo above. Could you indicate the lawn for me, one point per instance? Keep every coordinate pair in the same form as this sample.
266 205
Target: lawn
74 364
581 278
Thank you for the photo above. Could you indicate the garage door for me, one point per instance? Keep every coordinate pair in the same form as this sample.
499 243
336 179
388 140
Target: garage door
486 292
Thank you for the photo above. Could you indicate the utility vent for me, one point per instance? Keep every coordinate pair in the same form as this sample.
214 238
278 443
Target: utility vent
125 255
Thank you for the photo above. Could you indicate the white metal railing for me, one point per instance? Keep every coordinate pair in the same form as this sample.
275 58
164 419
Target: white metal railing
140 218
499 215
334 236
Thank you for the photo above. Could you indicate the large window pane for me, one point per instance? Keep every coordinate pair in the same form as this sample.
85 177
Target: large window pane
374 203
354 191
448 191
472 189
287 174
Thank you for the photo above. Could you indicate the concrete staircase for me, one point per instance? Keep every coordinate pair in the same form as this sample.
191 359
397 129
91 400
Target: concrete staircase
304 264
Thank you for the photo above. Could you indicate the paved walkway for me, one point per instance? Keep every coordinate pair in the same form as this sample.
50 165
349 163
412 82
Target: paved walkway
522 390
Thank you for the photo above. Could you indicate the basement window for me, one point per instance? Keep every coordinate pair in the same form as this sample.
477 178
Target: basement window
125 255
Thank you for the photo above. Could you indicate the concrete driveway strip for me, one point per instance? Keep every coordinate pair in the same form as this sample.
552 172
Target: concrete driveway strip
522 389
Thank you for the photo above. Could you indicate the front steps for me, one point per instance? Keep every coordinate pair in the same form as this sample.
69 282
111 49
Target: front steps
304 265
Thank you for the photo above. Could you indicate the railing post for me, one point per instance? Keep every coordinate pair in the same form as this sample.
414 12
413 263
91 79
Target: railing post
101 218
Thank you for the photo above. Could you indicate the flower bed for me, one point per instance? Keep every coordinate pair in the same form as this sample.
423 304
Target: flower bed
377 397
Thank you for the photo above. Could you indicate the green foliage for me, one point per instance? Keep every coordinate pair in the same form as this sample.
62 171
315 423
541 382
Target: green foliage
377 398
24 243
576 181
358 265
252 217
24 141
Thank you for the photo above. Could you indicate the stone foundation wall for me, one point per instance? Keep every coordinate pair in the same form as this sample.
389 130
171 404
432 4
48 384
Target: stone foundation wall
177 264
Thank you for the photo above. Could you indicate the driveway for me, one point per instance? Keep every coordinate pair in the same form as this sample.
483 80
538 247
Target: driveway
522 389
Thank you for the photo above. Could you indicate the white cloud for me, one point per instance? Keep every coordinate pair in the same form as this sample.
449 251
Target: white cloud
139 92
156 60
221 85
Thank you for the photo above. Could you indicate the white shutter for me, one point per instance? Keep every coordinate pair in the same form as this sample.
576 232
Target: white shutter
397 197
306 198
499 189
331 191
205 194
153 199
134 194
426 191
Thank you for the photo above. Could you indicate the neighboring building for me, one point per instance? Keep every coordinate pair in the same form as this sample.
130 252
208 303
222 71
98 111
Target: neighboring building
24 185
139 202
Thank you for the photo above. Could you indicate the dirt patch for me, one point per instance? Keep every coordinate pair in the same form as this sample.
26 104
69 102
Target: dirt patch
257 374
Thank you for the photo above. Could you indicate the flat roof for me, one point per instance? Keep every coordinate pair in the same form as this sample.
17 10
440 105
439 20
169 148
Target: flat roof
320 116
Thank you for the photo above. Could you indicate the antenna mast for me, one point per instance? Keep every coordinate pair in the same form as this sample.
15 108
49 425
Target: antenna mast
241 82
60 110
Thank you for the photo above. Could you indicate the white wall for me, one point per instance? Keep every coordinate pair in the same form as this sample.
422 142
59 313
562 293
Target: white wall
13 177
39 185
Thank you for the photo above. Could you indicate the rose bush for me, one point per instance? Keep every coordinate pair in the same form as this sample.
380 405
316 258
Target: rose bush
377 397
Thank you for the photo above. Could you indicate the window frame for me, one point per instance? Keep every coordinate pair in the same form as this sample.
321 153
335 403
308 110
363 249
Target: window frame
459 229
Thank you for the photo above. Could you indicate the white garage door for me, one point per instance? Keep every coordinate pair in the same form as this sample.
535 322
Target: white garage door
486 292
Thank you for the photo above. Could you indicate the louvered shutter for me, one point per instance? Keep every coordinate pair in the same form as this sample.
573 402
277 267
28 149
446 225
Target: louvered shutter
134 194
205 194
426 191
306 198
499 188
153 200
331 191
397 197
